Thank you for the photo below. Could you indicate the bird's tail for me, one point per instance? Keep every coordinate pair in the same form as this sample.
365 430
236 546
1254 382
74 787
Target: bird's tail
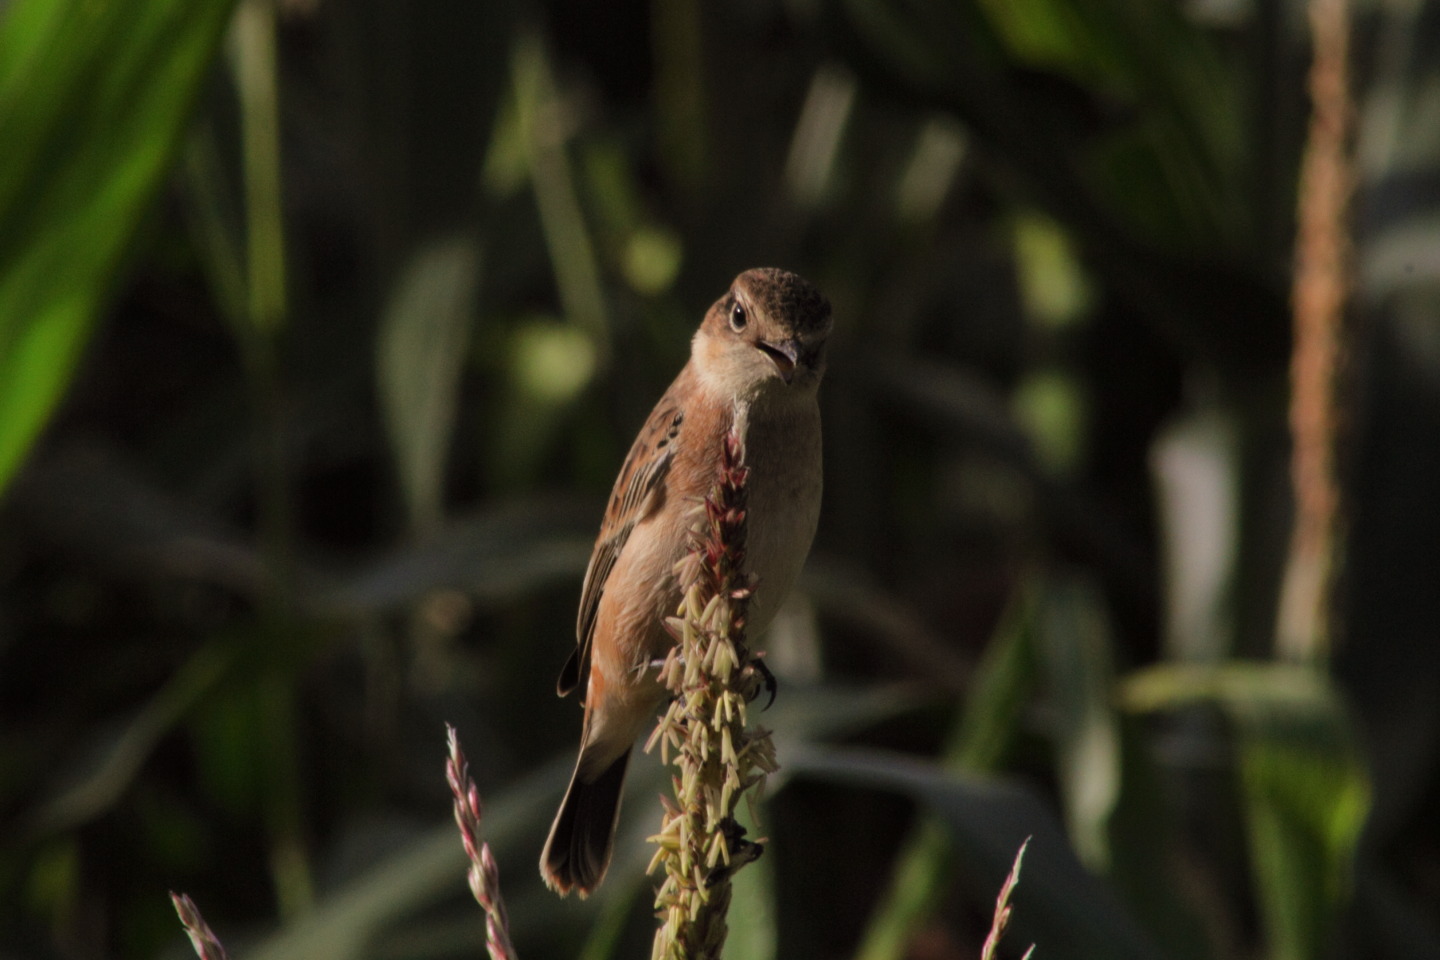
583 835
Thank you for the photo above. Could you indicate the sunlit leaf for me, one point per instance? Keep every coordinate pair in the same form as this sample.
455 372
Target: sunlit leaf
1306 789
1306 796
93 101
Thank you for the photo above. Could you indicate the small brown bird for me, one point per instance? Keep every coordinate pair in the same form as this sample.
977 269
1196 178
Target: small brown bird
755 364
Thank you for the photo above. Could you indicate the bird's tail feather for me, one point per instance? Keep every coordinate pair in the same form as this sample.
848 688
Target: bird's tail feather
583 836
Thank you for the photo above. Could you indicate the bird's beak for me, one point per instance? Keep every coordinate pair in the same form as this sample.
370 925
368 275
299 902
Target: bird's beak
784 354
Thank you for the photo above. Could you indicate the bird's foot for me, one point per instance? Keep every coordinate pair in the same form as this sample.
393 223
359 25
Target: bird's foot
742 851
767 680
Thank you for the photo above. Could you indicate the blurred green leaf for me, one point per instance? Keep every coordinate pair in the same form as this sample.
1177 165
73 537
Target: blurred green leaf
1116 811
1064 909
95 501
752 908
810 169
973 177
257 80
1247 691
567 234
1143 189
680 90
552 363
229 760
615 909
1054 289
941 149
54 882
850 594
652 260
1144 847
1052 407
421 348
1306 797
972 407
94 784
1151 52
549 364
1305 782
1003 684
432 866
1077 659
94 98
353 915
916 883
495 555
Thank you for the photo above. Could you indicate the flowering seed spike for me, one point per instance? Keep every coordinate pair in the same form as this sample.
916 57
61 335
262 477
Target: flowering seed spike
1002 908
202 938
717 758
484 873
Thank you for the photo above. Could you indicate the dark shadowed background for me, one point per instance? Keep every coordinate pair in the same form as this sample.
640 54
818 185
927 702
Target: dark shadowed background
325 326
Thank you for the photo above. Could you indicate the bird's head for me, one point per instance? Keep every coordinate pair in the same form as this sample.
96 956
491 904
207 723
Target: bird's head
768 329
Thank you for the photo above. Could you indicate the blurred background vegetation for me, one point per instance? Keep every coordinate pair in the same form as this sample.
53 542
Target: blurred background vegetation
325 326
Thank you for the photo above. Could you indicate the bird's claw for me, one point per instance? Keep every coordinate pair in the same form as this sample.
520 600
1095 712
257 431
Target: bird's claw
767 680
742 851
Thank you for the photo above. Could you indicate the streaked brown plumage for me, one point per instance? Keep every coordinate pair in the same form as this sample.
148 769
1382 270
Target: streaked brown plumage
756 362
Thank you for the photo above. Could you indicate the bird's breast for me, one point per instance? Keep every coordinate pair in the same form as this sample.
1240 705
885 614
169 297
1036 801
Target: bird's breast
783 451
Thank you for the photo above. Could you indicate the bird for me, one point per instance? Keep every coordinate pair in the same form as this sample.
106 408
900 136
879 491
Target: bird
755 367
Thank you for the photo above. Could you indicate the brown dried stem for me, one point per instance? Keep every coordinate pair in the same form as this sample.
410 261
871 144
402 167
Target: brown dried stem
1321 288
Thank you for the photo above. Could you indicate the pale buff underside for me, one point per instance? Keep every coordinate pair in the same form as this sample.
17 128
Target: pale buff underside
782 447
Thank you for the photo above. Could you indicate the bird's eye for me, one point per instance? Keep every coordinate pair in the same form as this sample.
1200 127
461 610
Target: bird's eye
738 319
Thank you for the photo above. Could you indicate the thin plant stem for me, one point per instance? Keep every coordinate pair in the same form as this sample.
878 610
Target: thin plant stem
1321 289
541 113
257 76
257 81
256 68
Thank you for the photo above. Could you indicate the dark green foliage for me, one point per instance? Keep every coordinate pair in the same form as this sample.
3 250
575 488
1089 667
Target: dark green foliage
325 457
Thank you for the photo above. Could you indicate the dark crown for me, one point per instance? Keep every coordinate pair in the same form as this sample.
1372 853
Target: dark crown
786 298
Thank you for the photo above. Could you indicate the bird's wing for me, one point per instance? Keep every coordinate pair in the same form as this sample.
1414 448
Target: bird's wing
634 497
